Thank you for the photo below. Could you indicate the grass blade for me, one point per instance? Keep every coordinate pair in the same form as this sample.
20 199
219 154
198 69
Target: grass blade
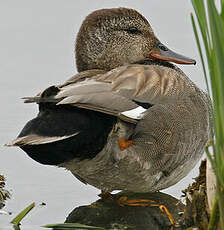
16 227
214 219
200 51
222 9
72 226
199 8
217 31
22 214
212 37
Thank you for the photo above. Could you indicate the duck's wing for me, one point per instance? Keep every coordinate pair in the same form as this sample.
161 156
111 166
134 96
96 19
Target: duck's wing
115 92
152 84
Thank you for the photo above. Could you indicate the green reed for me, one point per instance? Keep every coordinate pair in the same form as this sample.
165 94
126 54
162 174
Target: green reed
211 24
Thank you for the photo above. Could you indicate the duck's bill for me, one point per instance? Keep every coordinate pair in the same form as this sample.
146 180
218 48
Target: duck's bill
161 52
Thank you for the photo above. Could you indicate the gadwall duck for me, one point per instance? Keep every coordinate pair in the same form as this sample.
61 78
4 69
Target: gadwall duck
129 120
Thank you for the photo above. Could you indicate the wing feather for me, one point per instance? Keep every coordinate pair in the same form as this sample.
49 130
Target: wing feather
116 91
34 139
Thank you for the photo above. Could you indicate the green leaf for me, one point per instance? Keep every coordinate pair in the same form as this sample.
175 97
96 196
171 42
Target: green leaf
222 9
214 218
217 32
72 226
199 8
212 37
16 227
22 214
200 51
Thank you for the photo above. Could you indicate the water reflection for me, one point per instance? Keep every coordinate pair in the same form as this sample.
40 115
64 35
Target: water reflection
109 214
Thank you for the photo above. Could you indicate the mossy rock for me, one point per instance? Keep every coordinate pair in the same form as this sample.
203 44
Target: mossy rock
109 214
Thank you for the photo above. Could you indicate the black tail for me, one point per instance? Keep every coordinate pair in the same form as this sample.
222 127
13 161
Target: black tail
58 121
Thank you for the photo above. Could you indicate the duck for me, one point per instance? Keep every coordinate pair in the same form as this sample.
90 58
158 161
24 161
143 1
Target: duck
130 119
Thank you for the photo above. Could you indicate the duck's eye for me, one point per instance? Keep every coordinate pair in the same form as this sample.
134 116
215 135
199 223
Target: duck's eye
133 30
162 47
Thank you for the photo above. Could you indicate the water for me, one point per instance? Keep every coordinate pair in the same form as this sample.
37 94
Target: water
36 50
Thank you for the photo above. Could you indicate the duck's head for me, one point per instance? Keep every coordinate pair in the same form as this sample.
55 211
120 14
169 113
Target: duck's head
109 38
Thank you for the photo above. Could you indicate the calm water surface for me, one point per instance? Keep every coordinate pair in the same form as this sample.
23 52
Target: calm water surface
36 50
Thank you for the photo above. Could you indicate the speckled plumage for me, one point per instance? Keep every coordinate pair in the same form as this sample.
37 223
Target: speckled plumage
168 141
101 38
113 48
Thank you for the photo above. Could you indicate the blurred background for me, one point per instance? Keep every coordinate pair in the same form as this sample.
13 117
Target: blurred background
36 51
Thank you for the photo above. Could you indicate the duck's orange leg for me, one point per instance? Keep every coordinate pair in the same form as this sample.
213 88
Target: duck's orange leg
123 201
164 210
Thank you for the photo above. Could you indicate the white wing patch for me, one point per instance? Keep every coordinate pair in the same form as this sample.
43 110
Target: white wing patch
136 113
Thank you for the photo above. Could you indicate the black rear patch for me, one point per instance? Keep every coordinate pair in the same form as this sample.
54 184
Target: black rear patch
63 120
50 91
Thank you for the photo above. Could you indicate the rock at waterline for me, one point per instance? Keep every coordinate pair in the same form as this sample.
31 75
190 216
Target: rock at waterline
108 214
